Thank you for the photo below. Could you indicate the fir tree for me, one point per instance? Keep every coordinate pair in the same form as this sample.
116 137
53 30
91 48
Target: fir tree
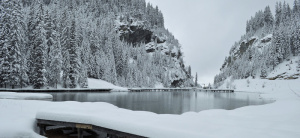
55 64
278 14
196 80
263 72
16 43
39 78
74 60
31 36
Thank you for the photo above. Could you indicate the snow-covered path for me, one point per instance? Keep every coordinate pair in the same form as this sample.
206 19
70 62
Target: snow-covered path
279 119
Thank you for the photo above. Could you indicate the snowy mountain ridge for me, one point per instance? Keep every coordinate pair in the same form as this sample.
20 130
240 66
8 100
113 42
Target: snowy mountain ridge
268 43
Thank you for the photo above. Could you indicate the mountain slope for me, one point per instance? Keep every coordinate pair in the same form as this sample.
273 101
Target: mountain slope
51 42
268 42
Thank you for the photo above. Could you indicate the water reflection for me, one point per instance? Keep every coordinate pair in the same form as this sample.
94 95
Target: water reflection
167 102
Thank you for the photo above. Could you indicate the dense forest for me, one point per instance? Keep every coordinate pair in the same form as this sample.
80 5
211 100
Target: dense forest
51 43
268 42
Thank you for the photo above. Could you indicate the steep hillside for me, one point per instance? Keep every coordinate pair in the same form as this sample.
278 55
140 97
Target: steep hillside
49 42
267 43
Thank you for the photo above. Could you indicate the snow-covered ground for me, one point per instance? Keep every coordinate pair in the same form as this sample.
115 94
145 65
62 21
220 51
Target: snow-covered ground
92 84
279 119
97 83
25 96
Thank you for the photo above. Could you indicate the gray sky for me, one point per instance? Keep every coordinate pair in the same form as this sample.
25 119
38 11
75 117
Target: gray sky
207 29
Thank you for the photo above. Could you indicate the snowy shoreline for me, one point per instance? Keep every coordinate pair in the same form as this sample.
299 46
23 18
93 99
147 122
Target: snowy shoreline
278 119
25 96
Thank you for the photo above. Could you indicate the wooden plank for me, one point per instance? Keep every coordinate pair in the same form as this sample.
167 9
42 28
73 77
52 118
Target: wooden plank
180 89
54 90
41 122
84 126
162 89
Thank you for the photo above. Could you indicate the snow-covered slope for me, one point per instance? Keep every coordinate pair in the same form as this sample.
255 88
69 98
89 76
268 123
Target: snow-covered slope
286 70
266 43
97 83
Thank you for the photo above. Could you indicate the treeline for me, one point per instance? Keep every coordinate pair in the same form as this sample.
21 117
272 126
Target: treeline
53 42
278 38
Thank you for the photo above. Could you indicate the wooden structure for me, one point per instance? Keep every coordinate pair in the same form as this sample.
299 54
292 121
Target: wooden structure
80 128
158 90
217 90
179 90
54 90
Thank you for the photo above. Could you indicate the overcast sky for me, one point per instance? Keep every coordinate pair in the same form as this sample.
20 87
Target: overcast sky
207 29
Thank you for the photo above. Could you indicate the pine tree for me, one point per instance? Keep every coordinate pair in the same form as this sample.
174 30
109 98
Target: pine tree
16 43
66 82
5 30
5 68
39 78
55 64
278 14
189 71
196 80
263 72
296 42
31 36
268 19
74 61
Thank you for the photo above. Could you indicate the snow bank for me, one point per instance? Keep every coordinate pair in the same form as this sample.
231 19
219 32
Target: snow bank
98 84
159 85
286 68
17 118
25 96
279 119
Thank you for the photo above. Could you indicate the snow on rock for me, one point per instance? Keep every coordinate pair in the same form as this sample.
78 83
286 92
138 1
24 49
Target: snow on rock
101 84
25 96
286 70
267 38
176 74
150 47
253 42
123 26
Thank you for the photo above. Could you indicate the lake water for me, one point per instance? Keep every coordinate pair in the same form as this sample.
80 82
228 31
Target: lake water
167 102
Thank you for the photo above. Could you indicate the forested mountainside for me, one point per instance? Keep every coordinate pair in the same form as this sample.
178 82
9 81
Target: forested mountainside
268 42
45 43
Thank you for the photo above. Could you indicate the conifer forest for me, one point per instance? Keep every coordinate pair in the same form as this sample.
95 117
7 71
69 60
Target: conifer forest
51 43
269 40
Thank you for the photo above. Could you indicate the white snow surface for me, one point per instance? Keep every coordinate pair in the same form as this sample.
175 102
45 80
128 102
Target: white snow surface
25 96
286 68
159 85
279 119
101 84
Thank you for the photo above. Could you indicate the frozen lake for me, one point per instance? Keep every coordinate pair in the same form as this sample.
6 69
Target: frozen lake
167 102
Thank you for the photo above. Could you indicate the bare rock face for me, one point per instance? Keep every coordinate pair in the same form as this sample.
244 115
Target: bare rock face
136 35
135 32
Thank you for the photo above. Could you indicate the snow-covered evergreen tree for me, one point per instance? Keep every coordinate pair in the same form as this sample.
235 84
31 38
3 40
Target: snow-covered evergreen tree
74 59
196 80
16 45
40 44
82 39
272 45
